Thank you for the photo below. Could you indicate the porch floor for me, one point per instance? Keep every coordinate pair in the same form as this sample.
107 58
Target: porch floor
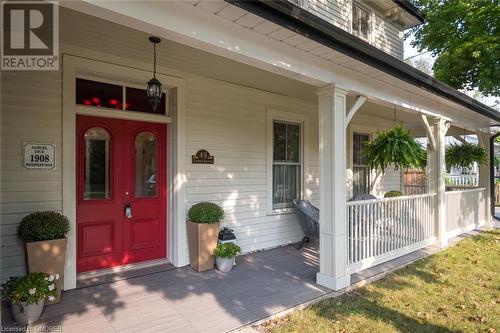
182 300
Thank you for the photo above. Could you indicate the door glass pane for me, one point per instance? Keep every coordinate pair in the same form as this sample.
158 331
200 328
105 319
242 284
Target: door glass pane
96 164
279 142
293 143
145 165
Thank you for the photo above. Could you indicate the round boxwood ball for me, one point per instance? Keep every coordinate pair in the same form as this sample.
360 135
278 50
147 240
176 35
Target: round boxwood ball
42 226
205 212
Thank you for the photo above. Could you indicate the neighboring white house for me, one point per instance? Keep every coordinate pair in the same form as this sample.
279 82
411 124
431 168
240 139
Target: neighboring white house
281 94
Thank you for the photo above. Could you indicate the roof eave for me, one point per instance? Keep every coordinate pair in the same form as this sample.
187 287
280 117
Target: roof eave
311 26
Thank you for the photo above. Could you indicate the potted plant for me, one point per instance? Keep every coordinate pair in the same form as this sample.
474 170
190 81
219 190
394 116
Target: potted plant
27 295
394 147
45 237
203 228
464 155
225 256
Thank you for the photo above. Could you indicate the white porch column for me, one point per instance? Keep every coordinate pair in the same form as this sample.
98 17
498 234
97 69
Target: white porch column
436 177
485 178
332 154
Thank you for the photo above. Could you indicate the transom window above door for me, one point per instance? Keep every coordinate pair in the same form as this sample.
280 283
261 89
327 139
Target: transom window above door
99 94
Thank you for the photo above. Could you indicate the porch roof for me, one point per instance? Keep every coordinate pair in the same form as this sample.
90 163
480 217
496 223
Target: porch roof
297 19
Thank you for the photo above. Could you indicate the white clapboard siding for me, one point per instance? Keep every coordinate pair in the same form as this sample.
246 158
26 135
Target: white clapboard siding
230 121
337 12
31 111
386 35
390 180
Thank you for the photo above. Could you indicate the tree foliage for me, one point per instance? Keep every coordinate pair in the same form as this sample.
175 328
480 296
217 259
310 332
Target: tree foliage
464 36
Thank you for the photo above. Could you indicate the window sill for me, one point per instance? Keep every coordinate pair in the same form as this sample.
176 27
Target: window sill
281 211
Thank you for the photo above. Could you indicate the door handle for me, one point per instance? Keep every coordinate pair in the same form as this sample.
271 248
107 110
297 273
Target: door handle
128 210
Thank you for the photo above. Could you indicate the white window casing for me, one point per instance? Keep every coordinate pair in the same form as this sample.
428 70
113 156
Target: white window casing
293 119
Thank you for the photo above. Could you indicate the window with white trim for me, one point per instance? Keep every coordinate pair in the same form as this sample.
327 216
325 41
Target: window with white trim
287 163
360 22
360 171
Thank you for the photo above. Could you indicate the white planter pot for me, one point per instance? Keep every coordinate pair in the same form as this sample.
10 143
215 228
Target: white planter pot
224 264
26 314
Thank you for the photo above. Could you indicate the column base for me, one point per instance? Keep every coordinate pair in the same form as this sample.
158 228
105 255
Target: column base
442 243
333 283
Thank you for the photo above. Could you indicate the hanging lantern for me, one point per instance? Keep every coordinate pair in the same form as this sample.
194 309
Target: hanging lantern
153 89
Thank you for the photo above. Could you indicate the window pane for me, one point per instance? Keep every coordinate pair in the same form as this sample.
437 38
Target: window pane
360 180
93 93
364 24
293 143
292 183
96 164
279 142
145 165
278 184
137 100
355 19
357 148
286 185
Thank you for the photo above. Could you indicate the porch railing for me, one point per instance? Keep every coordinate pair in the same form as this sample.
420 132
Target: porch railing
382 229
462 181
465 210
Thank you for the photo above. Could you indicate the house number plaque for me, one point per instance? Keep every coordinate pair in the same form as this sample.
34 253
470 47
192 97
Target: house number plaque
202 157
39 155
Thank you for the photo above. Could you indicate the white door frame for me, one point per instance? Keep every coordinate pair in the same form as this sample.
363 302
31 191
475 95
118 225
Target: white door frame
176 221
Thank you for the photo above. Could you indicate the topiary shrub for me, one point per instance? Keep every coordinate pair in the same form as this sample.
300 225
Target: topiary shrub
392 194
227 250
42 226
205 212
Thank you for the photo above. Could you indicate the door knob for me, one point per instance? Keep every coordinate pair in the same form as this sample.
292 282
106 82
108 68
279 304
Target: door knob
128 211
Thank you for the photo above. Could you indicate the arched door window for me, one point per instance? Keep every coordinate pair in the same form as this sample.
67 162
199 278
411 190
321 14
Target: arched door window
96 164
145 165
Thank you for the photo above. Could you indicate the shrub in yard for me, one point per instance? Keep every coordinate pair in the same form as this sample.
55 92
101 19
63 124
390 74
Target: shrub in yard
227 250
41 226
392 194
205 212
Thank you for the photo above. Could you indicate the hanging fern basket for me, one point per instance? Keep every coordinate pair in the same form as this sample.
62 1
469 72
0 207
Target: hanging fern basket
395 147
465 155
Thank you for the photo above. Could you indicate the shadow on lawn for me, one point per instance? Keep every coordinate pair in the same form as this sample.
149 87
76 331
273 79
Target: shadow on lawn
364 305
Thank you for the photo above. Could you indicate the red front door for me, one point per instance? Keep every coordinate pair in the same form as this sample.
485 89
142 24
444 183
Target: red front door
121 192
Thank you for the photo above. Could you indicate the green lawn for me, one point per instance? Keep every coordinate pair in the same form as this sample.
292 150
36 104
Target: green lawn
456 290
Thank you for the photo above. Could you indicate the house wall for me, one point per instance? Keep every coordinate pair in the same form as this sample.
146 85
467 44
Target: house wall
386 35
225 114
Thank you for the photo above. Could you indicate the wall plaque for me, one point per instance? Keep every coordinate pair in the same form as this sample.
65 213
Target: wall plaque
202 157
39 155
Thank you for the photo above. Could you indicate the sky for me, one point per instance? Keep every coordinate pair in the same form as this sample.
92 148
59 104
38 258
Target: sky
410 51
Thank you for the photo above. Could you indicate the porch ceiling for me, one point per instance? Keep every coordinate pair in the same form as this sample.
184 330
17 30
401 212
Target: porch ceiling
238 34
